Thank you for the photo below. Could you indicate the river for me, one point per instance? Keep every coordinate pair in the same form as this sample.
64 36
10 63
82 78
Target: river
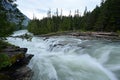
70 58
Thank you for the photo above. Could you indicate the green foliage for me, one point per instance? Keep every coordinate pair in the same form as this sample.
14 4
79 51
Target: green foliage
4 60
6 28
54 24
109 17
103 18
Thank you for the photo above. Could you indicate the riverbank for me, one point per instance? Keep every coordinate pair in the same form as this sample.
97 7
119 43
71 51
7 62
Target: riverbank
14 62
86 35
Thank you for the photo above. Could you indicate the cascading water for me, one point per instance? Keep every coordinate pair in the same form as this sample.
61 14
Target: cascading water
69 58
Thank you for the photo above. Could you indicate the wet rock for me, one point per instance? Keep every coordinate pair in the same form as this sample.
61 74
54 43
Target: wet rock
46 38
15 53
28 58
26 36
23 73
18 69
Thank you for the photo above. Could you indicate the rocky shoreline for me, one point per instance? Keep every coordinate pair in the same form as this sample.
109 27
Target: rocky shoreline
97 35
18 70
86 35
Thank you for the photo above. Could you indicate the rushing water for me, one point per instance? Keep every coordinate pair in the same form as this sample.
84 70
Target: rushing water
69 58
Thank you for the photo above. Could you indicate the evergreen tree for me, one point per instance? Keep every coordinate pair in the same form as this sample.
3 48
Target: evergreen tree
103 18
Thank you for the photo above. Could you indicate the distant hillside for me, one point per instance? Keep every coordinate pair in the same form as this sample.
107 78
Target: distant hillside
13 14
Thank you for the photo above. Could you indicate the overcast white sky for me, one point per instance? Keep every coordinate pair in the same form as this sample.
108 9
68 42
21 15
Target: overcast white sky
40 7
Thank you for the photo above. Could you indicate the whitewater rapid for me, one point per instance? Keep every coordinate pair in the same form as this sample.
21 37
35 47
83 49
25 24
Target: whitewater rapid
70 58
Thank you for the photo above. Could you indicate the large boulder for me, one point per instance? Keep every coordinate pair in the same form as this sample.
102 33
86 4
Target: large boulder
17 70
15 53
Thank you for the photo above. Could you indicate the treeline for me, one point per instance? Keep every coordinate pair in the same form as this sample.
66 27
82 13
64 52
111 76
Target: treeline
105 17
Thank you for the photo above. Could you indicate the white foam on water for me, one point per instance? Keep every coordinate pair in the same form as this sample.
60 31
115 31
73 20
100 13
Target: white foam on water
64 58
69 67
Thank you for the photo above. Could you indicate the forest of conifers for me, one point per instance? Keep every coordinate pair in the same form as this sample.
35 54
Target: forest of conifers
105 17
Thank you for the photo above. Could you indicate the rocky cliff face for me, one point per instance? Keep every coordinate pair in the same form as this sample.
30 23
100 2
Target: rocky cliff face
13 13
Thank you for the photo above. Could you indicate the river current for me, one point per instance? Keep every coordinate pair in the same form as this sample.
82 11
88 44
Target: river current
70 58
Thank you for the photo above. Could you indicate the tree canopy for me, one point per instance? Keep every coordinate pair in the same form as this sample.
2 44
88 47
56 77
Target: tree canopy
105 17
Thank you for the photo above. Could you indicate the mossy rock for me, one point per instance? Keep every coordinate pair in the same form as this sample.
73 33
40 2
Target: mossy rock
4 60
16 57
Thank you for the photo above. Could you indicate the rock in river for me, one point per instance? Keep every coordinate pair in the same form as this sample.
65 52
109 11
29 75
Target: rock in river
18 69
